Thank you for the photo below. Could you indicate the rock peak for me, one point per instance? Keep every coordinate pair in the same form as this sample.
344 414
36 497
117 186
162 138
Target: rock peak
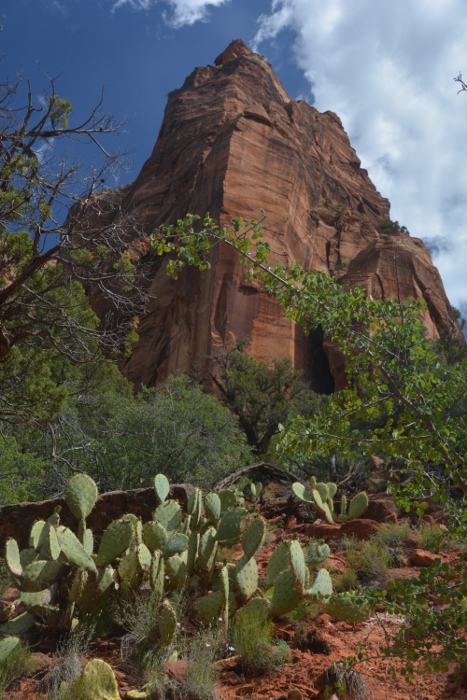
231 143
236 48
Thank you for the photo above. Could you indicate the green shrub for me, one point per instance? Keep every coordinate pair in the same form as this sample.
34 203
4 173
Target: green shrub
370 561
432 538
393 534
18 663
252 639
203 650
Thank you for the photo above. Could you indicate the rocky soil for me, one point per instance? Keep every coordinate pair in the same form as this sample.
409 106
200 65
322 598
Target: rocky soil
315 642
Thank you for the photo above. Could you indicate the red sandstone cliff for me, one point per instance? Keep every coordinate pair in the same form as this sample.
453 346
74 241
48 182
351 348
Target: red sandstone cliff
233 142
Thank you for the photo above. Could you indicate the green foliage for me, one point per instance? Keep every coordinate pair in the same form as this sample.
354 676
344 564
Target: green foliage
262 397
200 673
393 227
252 635
370 560
432 537
393 534
18 663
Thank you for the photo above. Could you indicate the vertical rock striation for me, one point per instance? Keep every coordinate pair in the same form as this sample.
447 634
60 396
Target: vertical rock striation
232 142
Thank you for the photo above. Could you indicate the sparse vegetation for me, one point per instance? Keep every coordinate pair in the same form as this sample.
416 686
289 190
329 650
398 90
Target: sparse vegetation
432 537
17 664
252 638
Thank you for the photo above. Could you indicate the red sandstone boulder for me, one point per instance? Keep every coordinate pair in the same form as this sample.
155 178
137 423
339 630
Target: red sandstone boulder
420 557
362 529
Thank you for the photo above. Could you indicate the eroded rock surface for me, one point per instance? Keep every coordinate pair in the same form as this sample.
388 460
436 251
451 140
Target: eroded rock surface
232 142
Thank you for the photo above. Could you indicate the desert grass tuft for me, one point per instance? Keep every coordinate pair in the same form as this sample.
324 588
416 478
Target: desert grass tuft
17 664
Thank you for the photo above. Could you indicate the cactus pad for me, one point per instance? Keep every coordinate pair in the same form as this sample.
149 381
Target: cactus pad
175 573
192 551
297 563
96 682
229 528
175 545
115 540
41 574
207 550
228 500
277 563
73 550
347 607
169 515
144 556
167 624
358 505
18 625
155 536
35 536
209 607
286 595
246 578
253 537
156 574
53 548
322 586
8 645
161 487
32 600
317 553
302 492
12 558
192 502
81 495
212 506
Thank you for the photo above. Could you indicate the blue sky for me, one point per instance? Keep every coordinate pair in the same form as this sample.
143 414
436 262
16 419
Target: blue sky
386 67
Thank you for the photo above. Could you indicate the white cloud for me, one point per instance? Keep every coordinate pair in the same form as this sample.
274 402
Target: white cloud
183 11
387 69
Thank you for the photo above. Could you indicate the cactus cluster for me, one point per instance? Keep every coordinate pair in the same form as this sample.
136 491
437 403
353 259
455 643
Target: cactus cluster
61 577
321 495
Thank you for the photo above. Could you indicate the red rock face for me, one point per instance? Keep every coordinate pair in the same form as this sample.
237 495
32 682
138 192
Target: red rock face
233 142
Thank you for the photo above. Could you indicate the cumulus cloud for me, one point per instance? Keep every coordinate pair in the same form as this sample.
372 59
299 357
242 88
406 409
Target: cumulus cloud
183 11
387 69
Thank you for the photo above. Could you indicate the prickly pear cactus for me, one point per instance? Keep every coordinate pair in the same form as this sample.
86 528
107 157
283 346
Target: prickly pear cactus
161 487
358 505
115 540
230 526
8 646
322 586
253 537
246 578
348 607
213 507
169 515
286 595
96 682
81 495
317 553
167 625
12 558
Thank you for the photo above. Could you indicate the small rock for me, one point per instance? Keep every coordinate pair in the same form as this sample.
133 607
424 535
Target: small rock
429 519
294 695
380 508
421 557
227 664
43 662
362 529
391 518
231 678
176 669
325 531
